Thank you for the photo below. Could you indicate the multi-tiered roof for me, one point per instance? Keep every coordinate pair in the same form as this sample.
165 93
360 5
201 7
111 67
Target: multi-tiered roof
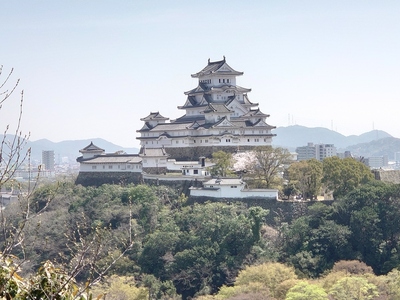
217 112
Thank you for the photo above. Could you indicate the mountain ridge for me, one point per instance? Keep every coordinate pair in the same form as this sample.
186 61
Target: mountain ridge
368 144
372 143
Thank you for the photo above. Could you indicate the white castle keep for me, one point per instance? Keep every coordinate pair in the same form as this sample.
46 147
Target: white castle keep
218 114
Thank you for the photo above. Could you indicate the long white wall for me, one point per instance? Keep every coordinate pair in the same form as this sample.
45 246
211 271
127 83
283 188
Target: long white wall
229 192
137 168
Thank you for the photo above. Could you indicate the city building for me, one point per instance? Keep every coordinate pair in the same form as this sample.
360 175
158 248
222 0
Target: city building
317 151
218 115
306 152
48 160
376 162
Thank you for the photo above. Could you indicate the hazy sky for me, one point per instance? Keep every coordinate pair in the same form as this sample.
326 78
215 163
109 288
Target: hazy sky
93 68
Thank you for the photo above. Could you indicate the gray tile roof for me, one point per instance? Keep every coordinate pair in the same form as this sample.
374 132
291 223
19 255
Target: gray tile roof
91 147
112 158
213 67
224 181
171 126
217 108
153 152
154 116
255 112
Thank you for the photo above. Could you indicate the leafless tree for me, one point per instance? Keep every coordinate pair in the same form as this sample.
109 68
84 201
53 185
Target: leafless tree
87 250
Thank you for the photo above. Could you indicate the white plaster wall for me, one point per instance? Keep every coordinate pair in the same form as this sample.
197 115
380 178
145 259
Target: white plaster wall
152 162
260 193
206 193
136 168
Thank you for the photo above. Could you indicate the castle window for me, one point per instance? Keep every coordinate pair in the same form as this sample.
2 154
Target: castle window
228 140
195 171
110 166
104 167
233 186
248 140
219 80
177 142
223 80
205 141
94 167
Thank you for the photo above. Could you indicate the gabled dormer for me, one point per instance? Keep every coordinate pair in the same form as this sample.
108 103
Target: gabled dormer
91 151
217 68
223 123
215 112
154 118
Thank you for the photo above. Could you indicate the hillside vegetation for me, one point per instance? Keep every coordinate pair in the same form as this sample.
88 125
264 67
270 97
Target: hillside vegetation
173 250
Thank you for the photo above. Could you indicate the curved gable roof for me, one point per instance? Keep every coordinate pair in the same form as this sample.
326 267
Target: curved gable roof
91 148
216 67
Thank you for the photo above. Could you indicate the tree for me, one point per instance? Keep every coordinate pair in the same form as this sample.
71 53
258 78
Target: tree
20 228
223 163
306 175
305 291
270 275
120 288
344 175
353 288
268 164
372 213
352 267
12 146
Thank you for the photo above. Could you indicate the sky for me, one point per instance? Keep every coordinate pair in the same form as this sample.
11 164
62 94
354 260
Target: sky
91 69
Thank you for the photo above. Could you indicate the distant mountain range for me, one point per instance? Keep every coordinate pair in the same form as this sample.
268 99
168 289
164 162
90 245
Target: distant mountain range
373 143
70 149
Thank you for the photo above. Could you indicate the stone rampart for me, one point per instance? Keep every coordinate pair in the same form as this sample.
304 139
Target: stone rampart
193 153
391 176
99 178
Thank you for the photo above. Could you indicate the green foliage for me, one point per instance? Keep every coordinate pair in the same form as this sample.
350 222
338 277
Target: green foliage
313 243
306 291
48 282
192 250
270 275
120 288
223 164
306 176
253 290
353 288
344 175
392 282
372 213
